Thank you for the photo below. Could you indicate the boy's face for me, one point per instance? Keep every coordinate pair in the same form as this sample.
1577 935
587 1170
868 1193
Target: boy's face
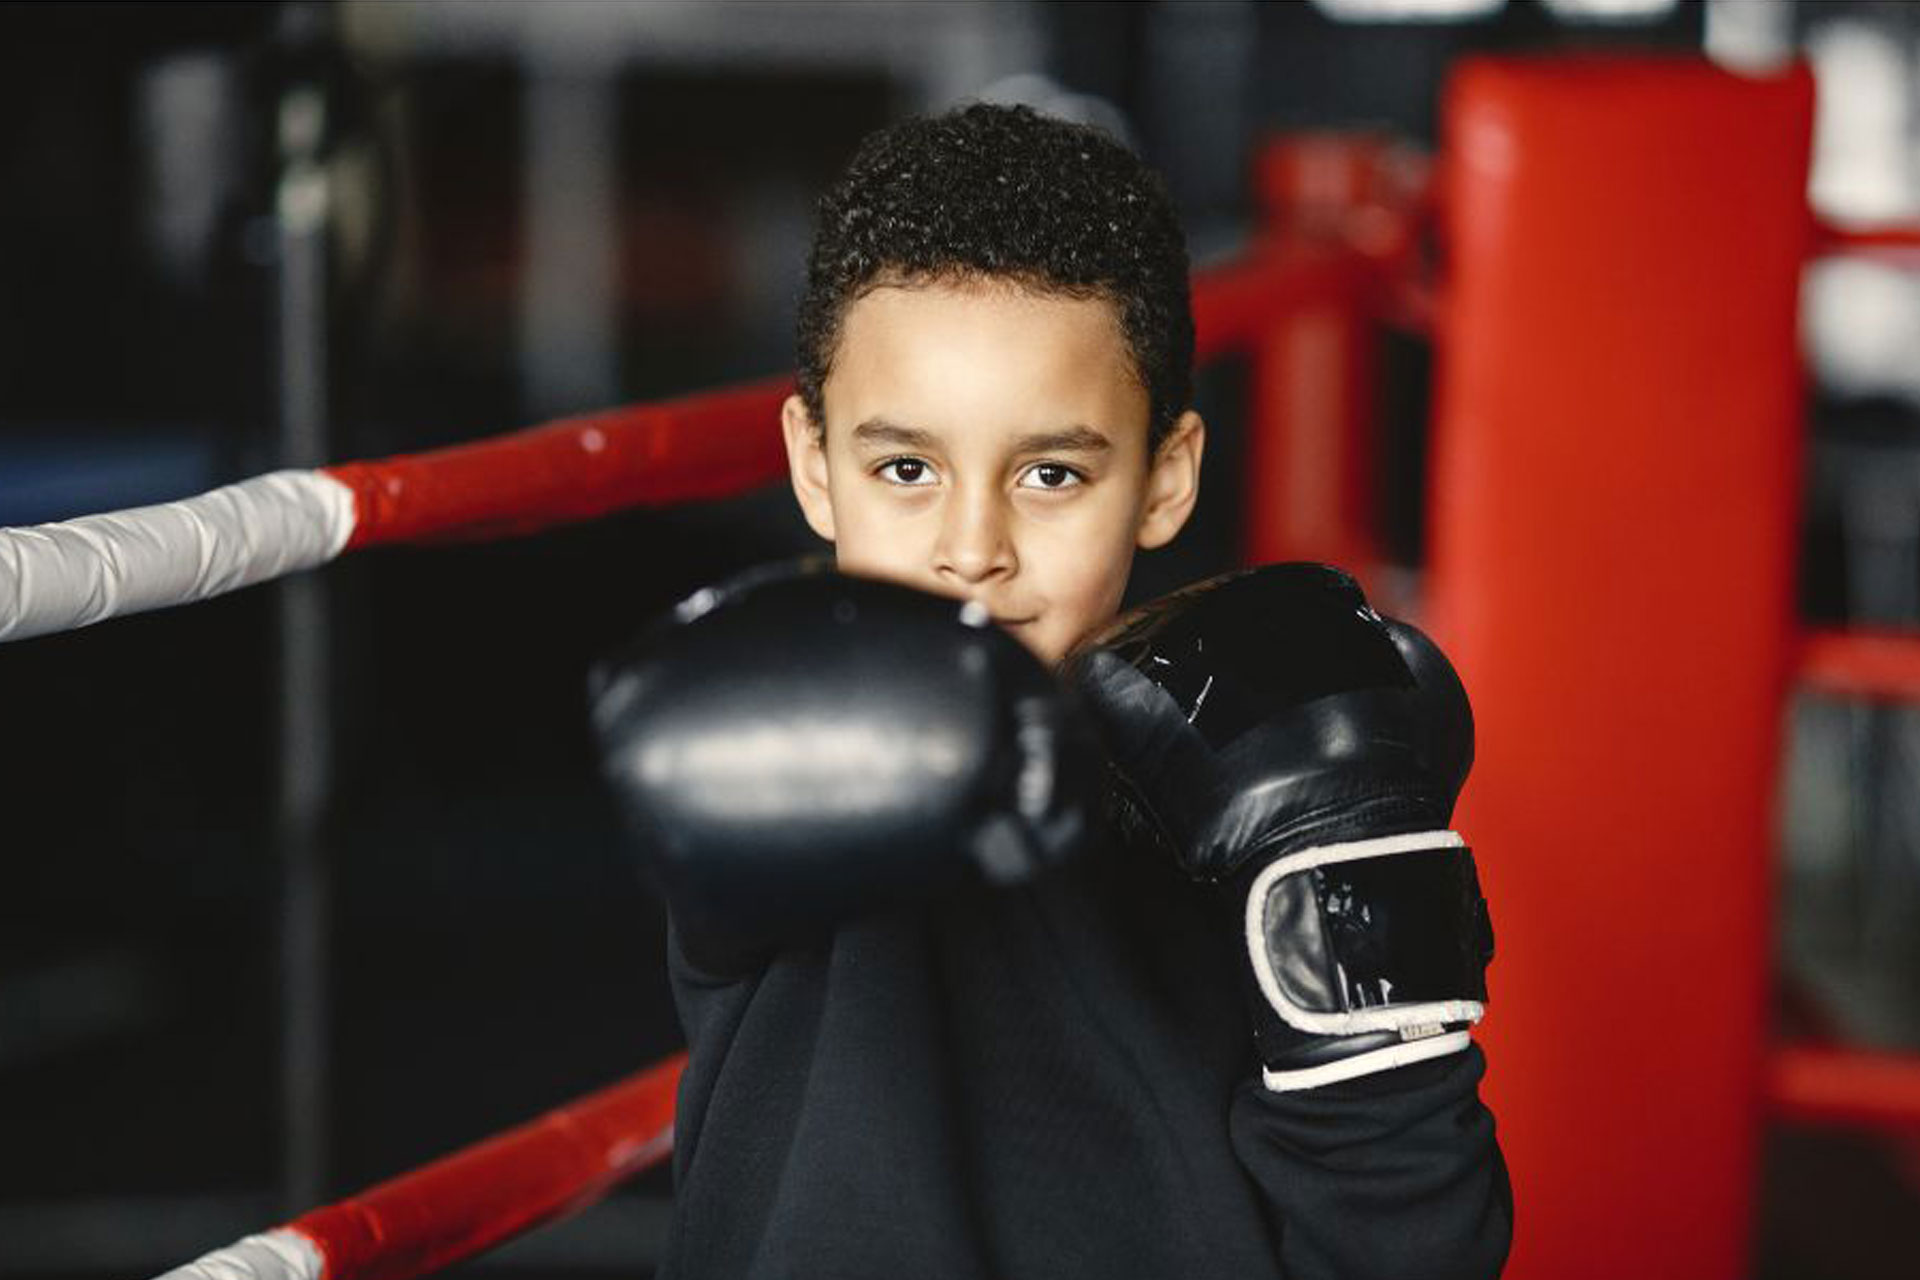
990 443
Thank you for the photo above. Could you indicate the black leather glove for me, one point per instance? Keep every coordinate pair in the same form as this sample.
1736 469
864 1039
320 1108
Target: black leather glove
1276 735
796 748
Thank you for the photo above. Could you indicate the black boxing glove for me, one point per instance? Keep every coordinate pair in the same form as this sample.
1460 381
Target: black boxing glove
1275 735
796 748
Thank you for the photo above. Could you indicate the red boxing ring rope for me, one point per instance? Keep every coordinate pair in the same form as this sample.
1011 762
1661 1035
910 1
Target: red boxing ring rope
57 577
706 446
1858 663
468 1202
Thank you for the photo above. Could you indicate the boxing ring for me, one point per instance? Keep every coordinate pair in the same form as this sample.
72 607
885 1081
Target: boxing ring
1613 506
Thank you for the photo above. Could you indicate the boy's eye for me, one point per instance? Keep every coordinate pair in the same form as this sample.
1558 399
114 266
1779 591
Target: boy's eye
910 472
1050 475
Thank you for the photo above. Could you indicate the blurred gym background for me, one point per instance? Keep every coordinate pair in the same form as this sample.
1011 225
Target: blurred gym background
308 884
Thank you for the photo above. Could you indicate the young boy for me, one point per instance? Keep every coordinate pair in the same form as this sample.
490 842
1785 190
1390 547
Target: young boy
893 1074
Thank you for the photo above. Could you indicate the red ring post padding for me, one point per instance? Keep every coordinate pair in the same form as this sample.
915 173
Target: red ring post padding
1617 485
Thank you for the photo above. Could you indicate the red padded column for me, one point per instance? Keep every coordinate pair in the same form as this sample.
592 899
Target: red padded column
1617 481
1308 470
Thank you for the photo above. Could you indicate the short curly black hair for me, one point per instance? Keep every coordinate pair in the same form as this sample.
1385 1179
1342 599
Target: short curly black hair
1005 193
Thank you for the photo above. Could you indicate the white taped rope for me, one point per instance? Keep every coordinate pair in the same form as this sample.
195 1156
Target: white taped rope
55 577
280 1254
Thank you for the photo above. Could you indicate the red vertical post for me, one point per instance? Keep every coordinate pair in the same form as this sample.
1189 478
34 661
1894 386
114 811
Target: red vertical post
1616 493
1306 464
1327 200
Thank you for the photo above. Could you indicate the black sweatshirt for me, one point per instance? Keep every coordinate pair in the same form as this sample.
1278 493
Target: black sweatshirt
1054 1081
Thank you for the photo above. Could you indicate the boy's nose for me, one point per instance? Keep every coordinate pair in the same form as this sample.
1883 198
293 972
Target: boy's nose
974 545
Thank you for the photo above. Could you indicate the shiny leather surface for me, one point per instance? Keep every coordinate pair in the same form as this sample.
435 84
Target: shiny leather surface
1234 651
1273 709
1406 928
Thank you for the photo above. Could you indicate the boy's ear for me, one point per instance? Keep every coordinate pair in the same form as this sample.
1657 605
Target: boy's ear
807 465
1173 482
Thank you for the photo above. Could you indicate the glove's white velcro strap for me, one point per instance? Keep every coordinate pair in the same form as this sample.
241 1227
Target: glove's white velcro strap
1365 1064
279 1254
1388 1017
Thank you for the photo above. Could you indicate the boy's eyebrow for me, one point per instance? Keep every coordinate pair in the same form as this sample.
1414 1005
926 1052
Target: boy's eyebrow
880 431
1074 439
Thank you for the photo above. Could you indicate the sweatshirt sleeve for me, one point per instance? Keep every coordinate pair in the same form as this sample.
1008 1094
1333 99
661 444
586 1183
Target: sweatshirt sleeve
1396 1175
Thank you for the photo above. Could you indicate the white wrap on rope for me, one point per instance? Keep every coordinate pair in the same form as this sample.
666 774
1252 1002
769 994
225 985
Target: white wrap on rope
279 1254
55 577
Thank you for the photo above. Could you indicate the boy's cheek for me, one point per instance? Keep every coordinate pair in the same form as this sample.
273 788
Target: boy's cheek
877 548
1079 611
1066 627
871 554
